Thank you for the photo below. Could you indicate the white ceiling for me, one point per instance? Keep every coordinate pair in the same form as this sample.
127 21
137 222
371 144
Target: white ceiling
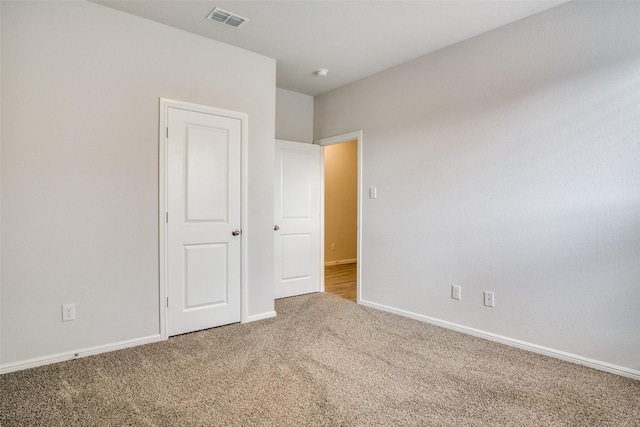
353 39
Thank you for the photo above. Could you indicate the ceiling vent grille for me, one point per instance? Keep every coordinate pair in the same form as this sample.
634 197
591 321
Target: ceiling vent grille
227 18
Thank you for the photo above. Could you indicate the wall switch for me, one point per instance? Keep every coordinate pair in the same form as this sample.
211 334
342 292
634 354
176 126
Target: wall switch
373 192
68 312
456 292
489 300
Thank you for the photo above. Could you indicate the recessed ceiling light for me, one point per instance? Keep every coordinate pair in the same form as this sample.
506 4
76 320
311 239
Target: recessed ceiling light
225 17
322 72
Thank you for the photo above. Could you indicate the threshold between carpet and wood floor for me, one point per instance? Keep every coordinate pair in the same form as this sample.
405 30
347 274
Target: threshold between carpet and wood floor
323 361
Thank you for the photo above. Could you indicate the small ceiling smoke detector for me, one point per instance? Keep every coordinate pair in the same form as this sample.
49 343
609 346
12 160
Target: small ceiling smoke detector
322 72
227 18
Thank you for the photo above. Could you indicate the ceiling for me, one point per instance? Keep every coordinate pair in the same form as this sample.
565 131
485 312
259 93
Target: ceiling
352 39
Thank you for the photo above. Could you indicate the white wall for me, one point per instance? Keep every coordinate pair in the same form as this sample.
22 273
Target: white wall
510 163
80 90
294 116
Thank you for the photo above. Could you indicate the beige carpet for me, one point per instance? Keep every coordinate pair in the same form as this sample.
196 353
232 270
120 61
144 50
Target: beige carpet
323 361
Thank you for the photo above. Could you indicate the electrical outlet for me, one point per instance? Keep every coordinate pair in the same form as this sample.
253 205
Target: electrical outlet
489 299
68 312
456 292
333 246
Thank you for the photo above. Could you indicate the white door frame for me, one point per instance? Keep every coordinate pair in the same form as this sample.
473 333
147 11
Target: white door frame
165 104
350 136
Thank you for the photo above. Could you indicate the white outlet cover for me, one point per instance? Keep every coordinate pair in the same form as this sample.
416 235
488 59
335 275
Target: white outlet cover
489 299
456 292
68 312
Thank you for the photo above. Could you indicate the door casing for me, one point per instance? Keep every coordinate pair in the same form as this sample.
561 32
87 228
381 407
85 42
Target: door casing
345 137
165 104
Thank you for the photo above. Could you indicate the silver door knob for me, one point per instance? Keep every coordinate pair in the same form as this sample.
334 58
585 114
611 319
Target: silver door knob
276 228
235 232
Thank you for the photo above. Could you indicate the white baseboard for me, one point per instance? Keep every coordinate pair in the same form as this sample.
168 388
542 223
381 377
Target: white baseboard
341 261
558 354
261 316
75 354
90 351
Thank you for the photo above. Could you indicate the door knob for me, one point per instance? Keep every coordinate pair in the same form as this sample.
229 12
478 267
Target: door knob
276 228
236 232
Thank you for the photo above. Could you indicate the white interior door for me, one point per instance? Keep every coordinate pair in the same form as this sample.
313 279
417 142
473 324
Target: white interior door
204 219
297 218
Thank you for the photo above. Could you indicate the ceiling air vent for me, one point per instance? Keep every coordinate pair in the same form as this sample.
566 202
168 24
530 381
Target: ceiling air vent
227 18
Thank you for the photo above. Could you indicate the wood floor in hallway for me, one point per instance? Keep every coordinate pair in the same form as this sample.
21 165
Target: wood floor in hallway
341 280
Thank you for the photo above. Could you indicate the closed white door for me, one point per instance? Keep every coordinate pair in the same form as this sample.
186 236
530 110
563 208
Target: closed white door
297 218
204 218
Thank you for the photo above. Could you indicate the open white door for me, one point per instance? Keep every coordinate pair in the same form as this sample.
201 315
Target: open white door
297 218
204 199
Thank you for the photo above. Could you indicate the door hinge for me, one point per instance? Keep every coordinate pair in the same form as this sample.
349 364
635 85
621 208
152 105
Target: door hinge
167 132
167 302
166 217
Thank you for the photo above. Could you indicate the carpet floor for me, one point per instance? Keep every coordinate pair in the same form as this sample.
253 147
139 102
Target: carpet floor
323 361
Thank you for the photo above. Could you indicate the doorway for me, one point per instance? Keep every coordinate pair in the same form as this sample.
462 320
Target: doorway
341 231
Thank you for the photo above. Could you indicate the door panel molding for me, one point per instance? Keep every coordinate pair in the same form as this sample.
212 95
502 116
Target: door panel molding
164 105
297 215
